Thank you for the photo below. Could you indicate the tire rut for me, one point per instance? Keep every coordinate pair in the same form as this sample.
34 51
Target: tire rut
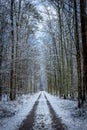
57 124
28 122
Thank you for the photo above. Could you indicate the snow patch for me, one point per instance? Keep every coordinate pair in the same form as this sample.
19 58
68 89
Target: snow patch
12 113
71 116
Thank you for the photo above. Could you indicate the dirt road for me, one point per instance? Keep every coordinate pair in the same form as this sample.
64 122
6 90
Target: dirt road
42 116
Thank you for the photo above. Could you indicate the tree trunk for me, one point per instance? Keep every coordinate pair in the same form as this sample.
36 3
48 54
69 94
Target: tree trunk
78 57
84 44
1 48
12 95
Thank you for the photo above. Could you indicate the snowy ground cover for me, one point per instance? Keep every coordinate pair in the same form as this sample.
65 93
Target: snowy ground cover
13 113
71 116
42 118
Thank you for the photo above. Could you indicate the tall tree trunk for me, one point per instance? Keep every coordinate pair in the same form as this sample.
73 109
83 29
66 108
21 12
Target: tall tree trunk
84 44
1 48
78 57
61 53
12 95
17 41
1 51
71 72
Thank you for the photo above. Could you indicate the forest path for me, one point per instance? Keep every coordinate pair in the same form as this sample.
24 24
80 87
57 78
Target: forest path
42 116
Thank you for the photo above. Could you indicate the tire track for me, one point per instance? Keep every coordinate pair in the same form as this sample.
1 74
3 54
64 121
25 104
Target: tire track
28 122
57 124
43 119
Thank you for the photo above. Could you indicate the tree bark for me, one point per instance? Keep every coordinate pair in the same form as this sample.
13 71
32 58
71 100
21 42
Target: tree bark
12 95
78 57
84 44
1 48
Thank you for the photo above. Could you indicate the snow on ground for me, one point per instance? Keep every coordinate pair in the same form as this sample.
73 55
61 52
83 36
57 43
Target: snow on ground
42 118
12 113
71 116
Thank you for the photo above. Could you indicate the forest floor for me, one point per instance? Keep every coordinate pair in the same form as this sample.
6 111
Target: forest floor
42 111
